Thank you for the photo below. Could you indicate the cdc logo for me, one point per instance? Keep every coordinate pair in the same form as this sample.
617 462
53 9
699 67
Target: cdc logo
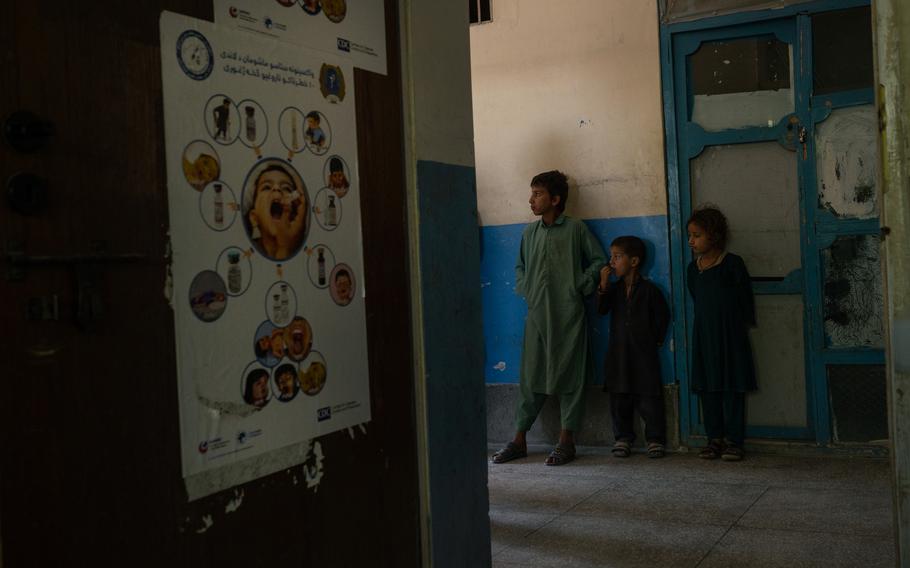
344 45
324 413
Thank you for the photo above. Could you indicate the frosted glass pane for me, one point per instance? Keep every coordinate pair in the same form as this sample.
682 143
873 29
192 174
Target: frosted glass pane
853 292
741 83
755 185
779 351
846 156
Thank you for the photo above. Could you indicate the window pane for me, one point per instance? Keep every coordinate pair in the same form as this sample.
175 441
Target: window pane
853 292
755 185
842 50
740 83
779 352
472 11
846 155
484 10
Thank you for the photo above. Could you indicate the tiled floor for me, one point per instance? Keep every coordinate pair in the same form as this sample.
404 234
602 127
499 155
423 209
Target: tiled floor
766 511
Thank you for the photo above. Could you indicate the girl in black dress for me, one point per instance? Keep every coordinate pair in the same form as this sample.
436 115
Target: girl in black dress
722 366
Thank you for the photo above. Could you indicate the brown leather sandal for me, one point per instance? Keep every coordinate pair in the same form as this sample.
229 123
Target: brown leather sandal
712 451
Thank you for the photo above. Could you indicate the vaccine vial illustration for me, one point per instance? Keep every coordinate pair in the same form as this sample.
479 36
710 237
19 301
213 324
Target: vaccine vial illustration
276 308
295 141
285 308
234 275
321 262
219 206
331 213
250 123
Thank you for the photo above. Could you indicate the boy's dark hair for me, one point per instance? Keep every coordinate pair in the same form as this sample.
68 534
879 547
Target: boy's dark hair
632 247
226 101
314 115
556 184
341 273
713 222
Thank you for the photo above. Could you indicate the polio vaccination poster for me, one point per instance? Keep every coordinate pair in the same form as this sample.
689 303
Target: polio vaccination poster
352 29
265 240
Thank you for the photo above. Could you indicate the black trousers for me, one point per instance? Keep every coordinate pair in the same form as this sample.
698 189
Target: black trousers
650 408
724 414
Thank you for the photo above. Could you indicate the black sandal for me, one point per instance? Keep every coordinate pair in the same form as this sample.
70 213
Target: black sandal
512 451
655 450
561 455
712 451
622 449
732 453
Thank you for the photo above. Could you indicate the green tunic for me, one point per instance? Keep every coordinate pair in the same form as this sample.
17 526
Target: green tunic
558 266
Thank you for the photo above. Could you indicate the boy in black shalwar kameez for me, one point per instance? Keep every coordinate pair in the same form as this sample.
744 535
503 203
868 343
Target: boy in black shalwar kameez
637 329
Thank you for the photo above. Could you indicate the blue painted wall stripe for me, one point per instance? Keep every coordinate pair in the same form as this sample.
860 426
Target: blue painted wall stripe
504 312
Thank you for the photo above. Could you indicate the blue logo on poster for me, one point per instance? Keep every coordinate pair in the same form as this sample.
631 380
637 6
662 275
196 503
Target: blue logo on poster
268 23
324 413
195 55
344 45
241 437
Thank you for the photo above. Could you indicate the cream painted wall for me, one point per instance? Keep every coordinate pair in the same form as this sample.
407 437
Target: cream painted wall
573 86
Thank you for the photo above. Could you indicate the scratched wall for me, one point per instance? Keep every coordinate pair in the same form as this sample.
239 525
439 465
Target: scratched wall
575 89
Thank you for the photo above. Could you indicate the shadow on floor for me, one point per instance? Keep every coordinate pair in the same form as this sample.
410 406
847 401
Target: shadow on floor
679 511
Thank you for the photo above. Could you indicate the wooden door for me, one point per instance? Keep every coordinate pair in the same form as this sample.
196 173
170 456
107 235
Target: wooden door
90 473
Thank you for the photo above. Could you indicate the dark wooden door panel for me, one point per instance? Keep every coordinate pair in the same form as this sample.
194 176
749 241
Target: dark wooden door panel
89 419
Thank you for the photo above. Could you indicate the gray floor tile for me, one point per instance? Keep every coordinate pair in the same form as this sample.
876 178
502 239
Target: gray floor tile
582 542
681 501
510 528
836 511
551 495
747 547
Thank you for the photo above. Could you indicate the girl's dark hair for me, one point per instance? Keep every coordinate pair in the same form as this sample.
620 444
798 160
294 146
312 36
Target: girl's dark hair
253 377
713 222
632 247
556 184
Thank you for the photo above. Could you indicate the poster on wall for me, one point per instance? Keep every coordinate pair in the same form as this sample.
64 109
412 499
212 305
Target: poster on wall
351 29
266 265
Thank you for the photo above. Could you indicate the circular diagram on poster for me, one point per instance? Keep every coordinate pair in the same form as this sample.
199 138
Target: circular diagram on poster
254 127
318 132
285 382
336 175
208 296
222 119
327 209
313 374
311 7
342 285
291 125
201 164
269 344
335 10
254 385
218 206
280 303
299 336
319 264
331 83
275 208
236 269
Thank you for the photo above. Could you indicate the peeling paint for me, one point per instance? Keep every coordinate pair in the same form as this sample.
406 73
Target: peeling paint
207 523
168 274
313 468
501 366
846 158
234 503
853 292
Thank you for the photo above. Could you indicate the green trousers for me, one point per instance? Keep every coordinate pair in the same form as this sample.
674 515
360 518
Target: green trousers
571 408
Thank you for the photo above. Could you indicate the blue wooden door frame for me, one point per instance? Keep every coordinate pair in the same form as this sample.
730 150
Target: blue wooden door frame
685 140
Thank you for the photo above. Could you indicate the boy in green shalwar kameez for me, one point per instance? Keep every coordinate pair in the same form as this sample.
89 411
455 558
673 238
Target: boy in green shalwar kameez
558 266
